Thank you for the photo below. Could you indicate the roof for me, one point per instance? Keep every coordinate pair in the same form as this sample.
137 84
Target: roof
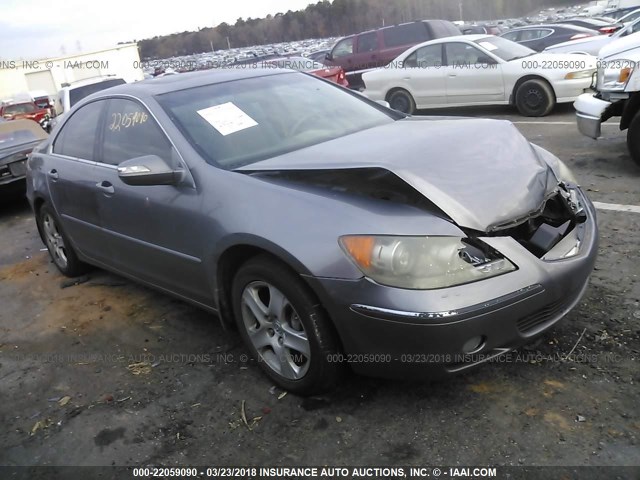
183 81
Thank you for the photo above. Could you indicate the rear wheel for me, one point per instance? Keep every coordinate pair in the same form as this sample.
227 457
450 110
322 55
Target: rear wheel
402 101
58 245
535 98
284 328
633 138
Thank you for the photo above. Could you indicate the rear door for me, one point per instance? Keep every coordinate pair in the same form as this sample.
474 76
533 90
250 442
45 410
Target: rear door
149 229
72 177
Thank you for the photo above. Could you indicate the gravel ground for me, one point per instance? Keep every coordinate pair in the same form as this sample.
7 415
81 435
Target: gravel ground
107 372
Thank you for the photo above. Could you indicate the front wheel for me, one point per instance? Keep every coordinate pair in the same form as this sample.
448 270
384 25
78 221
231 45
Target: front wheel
633 138
535 98
284 328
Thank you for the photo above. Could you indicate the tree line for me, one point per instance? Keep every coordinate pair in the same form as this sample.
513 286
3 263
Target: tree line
333 19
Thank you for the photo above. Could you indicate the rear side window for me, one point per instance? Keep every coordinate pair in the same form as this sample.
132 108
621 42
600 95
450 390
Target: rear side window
368 42
130 132
78 135
408 34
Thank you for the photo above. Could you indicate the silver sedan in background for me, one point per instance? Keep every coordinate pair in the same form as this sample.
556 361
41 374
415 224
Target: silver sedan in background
330 230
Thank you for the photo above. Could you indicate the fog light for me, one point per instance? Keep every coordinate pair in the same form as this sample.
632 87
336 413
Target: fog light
473 345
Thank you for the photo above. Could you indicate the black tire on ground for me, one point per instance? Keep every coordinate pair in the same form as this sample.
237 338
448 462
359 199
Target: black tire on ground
633 138
301 314
535 98
402 101
60 249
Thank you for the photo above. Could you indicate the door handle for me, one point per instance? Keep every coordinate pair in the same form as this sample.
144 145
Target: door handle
106 187
452 75
53 174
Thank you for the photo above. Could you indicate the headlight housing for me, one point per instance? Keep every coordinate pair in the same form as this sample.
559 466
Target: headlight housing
612 78
424 263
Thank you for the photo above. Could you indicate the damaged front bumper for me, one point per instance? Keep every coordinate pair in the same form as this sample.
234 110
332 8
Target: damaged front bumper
393 332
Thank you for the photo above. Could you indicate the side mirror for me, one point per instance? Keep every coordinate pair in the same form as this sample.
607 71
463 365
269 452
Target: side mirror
328 56
384 103
148 170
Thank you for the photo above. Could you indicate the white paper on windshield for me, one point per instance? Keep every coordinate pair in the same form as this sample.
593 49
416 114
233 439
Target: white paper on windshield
489 46
227 118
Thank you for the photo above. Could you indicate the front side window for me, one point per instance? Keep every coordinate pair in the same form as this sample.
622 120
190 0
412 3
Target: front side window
130 131
77 137
344 48
425 57
461 54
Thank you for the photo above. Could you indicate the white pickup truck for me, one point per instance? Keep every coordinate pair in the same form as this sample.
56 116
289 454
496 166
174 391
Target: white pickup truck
618 93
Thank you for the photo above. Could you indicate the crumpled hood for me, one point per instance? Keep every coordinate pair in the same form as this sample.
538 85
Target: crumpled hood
481 173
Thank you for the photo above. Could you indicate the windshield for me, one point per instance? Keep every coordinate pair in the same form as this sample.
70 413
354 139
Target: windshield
505 49
237 123
19 132
19 108
78 93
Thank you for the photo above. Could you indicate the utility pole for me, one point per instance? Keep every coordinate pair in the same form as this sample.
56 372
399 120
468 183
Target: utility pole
228 44
460 7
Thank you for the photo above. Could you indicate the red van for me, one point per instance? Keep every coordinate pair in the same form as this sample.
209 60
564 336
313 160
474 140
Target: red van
376 48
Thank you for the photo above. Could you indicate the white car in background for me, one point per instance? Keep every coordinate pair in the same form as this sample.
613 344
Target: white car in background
479 70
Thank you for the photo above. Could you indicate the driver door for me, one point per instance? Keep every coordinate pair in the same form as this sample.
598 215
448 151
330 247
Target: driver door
472 77
149 229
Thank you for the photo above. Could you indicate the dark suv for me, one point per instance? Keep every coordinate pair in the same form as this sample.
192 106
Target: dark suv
376 48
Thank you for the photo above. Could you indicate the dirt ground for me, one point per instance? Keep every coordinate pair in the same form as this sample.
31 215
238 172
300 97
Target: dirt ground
107 372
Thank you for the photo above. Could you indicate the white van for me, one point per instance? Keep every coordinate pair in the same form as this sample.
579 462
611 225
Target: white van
618 93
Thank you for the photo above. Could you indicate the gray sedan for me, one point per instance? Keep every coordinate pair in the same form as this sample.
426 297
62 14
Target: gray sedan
330 230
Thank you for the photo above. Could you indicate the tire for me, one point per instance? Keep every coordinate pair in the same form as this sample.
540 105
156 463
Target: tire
60 250
535 98
402 101
275 312
633 138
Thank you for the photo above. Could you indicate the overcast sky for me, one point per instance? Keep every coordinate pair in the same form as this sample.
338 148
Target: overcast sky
33 29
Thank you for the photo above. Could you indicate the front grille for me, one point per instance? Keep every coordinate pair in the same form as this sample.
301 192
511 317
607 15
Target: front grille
544 315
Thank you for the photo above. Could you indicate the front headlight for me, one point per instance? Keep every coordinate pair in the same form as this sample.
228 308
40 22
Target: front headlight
613 78
580 74
424 263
